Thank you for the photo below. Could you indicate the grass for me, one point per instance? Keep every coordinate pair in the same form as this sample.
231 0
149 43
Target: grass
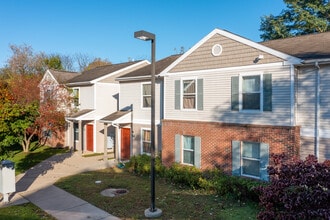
175 202
24 161
26 211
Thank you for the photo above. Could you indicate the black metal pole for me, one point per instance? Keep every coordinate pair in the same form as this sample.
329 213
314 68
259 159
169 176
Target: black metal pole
153 69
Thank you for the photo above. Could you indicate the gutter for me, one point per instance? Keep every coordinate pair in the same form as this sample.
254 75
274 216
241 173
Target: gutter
317 110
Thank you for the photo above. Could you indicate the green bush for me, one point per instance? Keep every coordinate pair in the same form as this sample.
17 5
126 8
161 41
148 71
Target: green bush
212 180
184 175
141 164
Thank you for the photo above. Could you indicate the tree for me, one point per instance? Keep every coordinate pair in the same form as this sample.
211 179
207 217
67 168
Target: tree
19 111
53 62
301 17
96 63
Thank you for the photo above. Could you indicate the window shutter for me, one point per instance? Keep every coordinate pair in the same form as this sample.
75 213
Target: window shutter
198 152
236 158
234 93
177 94
177 150
200 94
264 161
267 87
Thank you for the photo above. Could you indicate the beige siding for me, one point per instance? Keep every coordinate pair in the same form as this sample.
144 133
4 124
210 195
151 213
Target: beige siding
233 54
217 98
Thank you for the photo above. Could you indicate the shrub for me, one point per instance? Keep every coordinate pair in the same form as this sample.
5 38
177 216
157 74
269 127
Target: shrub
298 190
141 164
184 175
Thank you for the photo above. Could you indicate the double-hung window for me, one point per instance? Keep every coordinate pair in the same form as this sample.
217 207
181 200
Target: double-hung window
75 95
146 141
188 150
251 92
146 95
250 159
189 94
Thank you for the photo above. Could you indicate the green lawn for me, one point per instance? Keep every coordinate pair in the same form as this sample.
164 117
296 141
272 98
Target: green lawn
175 202
24 161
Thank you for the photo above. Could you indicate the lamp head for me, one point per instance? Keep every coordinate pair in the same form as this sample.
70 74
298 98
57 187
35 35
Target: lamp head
144 35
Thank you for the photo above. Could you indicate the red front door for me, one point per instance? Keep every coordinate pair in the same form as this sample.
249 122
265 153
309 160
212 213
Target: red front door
125 143
89 137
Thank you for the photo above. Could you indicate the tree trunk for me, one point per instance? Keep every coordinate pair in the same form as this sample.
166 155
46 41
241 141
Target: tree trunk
26 142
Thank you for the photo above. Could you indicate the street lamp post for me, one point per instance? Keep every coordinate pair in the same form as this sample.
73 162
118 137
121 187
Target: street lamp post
151 212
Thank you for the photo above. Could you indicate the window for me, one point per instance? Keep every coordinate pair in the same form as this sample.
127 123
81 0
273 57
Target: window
76 131
75 95
189 94
250 159
146 95
146 141
188 150
251 92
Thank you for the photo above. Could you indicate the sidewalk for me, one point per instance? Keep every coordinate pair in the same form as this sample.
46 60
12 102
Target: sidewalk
36 186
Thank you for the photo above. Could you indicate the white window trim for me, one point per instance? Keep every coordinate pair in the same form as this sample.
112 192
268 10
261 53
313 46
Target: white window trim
183 149
241 165
240 97
141 140
78 89
181 93
145 83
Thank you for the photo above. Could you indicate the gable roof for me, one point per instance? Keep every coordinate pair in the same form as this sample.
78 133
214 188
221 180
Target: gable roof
310 46
236 38
97 73
59 76
145 72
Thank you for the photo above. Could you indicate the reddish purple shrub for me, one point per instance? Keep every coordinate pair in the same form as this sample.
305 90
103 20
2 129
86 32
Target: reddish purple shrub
298 189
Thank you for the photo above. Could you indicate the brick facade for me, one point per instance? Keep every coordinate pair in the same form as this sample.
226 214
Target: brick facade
216 140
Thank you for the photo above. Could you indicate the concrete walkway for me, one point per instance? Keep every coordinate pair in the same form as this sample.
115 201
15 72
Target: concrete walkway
36 186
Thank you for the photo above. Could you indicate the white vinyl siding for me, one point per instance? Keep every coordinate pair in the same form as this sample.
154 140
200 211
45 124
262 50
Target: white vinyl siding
217 98
130 94
86 97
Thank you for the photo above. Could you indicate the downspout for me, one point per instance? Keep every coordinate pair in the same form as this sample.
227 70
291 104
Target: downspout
292 96
317 110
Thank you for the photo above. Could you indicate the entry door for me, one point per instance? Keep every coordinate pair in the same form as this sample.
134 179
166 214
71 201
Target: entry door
125 143
89 137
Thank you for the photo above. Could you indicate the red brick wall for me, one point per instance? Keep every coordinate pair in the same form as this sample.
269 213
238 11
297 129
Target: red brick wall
216 140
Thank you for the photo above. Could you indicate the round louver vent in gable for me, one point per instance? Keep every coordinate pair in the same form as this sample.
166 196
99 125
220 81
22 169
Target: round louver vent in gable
216 50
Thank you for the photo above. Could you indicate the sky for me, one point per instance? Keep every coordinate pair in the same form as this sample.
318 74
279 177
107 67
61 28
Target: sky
105 28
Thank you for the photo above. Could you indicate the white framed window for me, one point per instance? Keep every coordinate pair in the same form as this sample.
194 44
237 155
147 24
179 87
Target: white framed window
188 150
189 94
75 96
146 95
76 131
145 141
250 159
251 92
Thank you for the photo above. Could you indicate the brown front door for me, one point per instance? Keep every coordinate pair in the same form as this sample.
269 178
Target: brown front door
125 143
89 137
